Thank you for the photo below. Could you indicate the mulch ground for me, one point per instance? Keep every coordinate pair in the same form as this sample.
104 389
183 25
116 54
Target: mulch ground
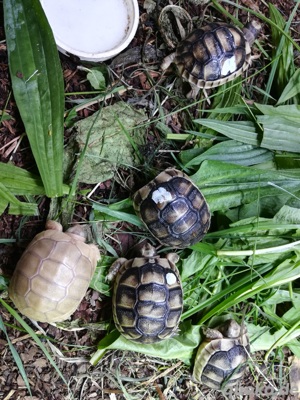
72 349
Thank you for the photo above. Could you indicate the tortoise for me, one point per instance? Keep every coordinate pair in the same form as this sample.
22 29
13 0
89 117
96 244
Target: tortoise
53 274
214 54
147 296
221 358
173 209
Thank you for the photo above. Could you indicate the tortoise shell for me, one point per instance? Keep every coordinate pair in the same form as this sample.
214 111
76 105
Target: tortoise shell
214 54
173 209
53 274
147 296
221 358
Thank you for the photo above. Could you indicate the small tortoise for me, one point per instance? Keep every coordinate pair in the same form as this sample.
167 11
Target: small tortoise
221 358
214 54
147 296
53 274
173 209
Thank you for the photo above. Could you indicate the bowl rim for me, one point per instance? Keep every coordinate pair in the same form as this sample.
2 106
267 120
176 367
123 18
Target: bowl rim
105 55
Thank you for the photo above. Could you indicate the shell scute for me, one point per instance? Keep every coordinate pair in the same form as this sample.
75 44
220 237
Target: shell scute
145 309
74 290
126 297
211 71
159 230
199 53
53 273
83 268
172 212
66 253
175 298
22 288
130 280
34 300
149 211
41 246
32 261
152 292
186 223
152 273
173 319
153 326
227 39
47 289
126 318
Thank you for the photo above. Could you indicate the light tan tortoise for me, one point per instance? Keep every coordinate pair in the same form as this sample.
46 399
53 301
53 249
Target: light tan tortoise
53 274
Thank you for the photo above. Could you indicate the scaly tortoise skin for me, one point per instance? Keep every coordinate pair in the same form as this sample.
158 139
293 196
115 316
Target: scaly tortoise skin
173 209
214 54
147 296
53 274
222 356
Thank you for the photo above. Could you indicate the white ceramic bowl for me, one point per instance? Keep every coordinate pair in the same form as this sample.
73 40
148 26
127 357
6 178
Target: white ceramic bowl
93 30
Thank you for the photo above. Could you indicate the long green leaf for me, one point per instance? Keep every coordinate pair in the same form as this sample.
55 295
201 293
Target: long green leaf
37 83
280 133
291 111
243 131
227 185
16 207
117 215
233 152
22 182
19 181
15 181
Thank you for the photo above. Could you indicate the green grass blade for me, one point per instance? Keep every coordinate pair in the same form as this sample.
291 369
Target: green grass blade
16 356
229 291
34 337
37 83
286 272
118 215
292 88
283 67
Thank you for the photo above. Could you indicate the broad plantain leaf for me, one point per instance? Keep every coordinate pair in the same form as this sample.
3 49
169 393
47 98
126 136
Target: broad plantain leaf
37 83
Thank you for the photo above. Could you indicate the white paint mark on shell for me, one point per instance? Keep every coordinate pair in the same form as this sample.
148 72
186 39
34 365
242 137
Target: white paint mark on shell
161 195
171 278
229 66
